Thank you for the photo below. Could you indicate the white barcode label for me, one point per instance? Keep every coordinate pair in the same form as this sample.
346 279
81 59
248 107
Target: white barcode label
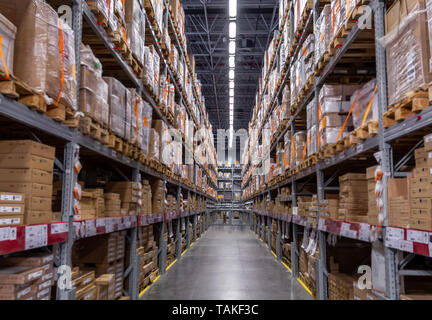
35 275
11 197
59 228
10 209
10 221
321 225
100 222
394 233
406 245
90 228
36 236
418 236
364 232
347 232
23 292
8 233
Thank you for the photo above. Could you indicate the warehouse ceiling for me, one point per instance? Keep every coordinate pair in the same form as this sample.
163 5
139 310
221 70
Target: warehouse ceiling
206 28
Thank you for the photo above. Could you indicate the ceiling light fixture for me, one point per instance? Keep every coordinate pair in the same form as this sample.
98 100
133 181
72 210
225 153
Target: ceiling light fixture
232 29
232 8
231 74
231 84
231 62
232 47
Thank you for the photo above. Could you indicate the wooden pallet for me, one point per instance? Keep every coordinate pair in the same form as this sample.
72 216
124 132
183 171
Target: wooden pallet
414 102
93 129
366 131
115 142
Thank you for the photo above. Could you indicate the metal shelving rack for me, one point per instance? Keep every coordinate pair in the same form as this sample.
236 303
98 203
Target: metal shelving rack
235 178
63 234
394 239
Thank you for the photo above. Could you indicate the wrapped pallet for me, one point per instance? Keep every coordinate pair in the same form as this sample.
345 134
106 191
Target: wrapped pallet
322 30
407 48
44 55
119 108
135 26
298 148
366 106
8 31
93 100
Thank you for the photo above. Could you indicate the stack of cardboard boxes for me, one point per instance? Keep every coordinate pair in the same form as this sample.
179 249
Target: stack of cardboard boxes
130 196
28 276
340 286
146 198
372 204
92 204
105 287
112 205
84 283
172 205
303 205
399 202
353 196
26 167
11 208
103 254
158 195
420 188
148 255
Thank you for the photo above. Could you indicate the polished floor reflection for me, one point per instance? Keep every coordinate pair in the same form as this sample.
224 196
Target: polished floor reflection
228 262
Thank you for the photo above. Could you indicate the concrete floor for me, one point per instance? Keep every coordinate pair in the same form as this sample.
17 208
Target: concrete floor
227 263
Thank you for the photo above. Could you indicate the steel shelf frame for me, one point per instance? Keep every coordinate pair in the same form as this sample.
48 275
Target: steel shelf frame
381 142
66 232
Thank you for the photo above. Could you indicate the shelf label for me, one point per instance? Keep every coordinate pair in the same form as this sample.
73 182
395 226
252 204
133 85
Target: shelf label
347 232
36 236
90 228
394 233
295 210
406 246
364 232
359 148
100 222
8 233
59 228
417 236
321 225
109 225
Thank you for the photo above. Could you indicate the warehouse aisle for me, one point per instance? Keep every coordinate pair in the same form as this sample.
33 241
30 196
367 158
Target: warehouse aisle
227 263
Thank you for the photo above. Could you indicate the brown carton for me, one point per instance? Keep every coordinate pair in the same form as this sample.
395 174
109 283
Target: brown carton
25 161
28 188
11 220
27 146
20 274
11 197
26 175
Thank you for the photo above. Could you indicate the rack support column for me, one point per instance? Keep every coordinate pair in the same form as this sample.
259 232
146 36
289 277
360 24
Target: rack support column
65 291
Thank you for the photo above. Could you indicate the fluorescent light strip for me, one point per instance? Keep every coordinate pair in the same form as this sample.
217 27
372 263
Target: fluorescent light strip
232 8
232 30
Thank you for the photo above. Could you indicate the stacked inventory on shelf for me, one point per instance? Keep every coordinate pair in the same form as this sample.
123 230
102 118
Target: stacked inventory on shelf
84 91
344 123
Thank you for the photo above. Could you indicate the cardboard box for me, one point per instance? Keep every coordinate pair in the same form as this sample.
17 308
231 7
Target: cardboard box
11 197
37 217
427 143
25 161
27 146
26 175
421 223
17 292
20 274
11 220
39 204
28 189
11 209
421 203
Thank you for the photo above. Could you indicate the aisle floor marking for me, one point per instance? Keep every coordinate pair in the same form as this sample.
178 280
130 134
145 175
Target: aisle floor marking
148 287
274 254
306 288
171 264
298 279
